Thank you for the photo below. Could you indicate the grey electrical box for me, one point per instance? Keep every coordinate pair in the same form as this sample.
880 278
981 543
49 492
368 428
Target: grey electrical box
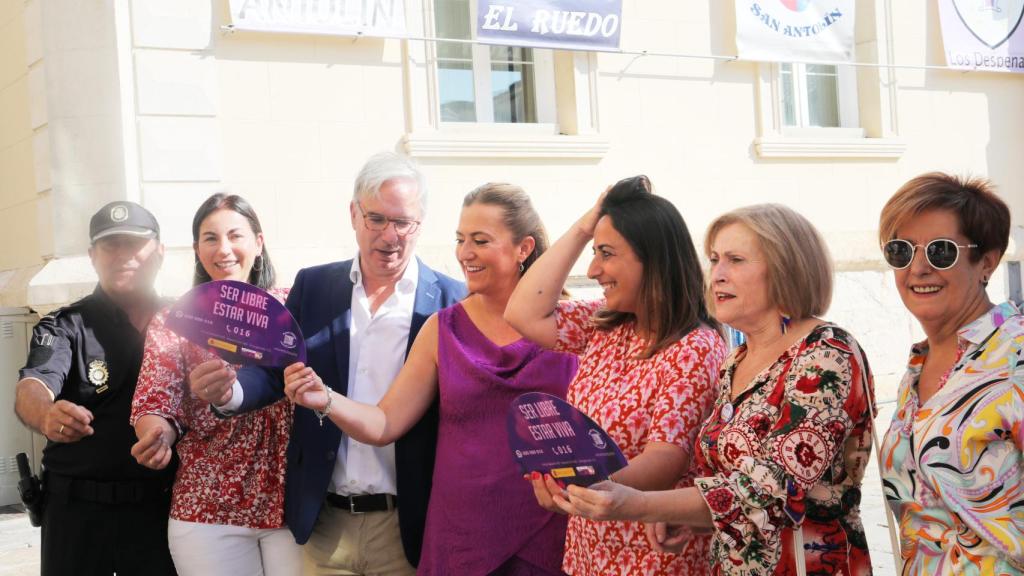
15 330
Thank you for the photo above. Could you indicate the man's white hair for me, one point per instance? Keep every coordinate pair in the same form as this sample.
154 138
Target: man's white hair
385 166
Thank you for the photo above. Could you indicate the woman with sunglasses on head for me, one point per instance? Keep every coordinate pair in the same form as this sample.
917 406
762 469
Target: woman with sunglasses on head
649 357
782 454
952 459
469 364
227 503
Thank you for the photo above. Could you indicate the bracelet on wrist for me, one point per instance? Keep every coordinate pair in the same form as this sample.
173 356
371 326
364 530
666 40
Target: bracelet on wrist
321 414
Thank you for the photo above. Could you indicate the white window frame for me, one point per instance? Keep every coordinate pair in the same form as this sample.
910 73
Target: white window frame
846 96
544 84
543 77
567 104
879 139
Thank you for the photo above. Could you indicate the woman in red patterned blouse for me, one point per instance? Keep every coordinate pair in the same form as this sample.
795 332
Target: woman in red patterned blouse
783 453
649 358
227 508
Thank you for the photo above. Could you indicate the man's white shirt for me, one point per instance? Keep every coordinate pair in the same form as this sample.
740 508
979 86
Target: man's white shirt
377 346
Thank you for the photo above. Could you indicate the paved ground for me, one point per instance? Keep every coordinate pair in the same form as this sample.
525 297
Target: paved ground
19 544
19 541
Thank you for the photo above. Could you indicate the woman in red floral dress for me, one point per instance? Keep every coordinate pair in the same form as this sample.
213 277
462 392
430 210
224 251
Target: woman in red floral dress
785 448
227 508
649 358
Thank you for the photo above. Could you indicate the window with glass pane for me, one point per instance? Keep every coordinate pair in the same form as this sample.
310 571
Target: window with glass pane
822 95
455 62
809 94
478 83
512 84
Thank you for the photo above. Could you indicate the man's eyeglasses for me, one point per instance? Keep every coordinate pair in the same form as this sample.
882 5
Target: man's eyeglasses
379 222
941 253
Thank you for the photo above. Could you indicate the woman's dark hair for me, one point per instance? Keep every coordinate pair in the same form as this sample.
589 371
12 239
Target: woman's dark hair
262 273
672 287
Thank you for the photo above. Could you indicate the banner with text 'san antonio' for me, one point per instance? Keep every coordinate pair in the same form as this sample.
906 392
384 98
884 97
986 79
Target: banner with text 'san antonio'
329 17
983 34
795 30
558 24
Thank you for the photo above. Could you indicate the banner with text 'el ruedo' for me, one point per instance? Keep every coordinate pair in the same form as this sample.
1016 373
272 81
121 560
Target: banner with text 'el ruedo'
558 24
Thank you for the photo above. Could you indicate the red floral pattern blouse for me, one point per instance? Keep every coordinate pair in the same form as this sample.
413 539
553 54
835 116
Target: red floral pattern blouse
660 399
232 470
790 450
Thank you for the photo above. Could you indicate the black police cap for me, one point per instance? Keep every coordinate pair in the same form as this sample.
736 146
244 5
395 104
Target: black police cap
123 217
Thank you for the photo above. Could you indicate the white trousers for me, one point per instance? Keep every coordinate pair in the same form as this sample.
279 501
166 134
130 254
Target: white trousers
204 549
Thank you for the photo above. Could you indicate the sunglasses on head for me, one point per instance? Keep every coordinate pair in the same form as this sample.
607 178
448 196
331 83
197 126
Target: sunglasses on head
941 253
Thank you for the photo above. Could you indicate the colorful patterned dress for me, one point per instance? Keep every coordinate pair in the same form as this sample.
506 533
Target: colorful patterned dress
952 467
790 450
232 470
660 399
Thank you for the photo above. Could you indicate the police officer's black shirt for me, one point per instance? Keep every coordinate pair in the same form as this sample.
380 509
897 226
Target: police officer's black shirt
89 353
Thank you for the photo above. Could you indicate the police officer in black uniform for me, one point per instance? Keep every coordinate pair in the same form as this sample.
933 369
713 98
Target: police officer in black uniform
104 513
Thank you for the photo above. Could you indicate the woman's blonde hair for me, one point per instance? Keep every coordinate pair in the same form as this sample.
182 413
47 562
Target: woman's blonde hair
799 264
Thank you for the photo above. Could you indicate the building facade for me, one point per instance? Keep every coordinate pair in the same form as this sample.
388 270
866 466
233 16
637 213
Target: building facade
163 103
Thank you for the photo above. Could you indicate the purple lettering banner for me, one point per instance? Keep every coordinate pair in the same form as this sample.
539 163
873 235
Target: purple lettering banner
547 435
241 323
558 24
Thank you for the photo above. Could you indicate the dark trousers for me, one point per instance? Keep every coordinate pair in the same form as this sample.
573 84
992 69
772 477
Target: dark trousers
81 536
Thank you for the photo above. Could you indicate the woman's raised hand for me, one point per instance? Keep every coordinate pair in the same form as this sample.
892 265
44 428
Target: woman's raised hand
588 221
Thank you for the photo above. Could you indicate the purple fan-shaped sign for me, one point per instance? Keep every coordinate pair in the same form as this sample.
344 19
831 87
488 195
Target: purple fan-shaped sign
549 436
241 323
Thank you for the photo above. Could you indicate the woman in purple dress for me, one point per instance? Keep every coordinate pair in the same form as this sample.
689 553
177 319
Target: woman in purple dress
482 519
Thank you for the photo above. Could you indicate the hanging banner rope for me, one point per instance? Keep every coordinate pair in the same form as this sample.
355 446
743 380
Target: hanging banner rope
983 34
787 30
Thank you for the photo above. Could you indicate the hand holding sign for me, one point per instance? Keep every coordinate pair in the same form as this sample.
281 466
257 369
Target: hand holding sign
548 436
241 323
304 387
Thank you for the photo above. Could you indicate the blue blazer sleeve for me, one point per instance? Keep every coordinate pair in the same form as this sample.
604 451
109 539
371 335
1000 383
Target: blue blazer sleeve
264 386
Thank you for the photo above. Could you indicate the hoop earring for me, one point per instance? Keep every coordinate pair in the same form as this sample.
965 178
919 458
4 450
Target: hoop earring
522 268
257 264
784 325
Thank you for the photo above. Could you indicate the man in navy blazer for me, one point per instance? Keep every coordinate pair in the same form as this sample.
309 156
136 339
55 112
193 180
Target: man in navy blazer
359 318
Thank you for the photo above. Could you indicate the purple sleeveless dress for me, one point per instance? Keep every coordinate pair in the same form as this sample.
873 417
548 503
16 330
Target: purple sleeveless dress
483 517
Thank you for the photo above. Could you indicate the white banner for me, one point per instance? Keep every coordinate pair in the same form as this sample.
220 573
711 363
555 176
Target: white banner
332 17
788 30
983 34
